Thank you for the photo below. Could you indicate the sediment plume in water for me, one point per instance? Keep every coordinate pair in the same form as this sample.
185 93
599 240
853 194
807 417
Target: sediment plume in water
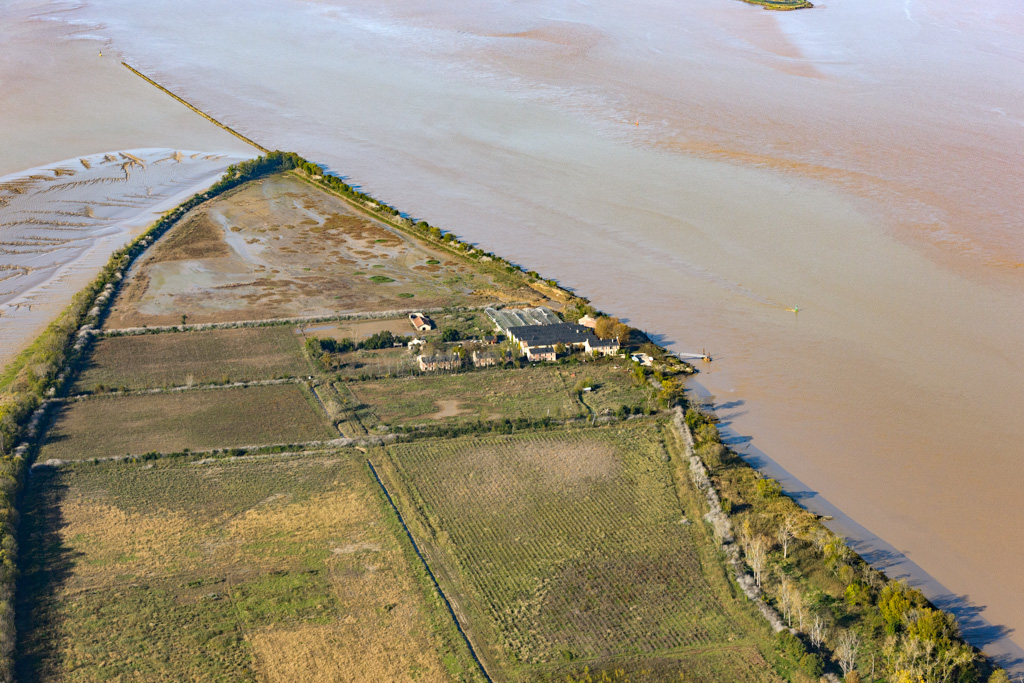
840 159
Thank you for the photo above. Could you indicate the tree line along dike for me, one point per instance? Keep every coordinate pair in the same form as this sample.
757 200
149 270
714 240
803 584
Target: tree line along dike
791 564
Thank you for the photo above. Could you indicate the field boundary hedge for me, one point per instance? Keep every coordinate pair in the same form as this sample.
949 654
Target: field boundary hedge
271 322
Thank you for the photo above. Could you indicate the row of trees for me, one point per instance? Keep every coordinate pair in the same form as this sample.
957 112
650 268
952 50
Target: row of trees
843 613
325 351
422 228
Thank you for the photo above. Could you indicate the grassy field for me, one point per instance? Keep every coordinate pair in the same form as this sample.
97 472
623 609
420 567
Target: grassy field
487 395
532 392
171 422
180 358
570 549
358 330
289 569
612 386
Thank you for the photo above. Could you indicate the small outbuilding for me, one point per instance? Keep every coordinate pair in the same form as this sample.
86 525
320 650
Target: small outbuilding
421 322
441 362
540 353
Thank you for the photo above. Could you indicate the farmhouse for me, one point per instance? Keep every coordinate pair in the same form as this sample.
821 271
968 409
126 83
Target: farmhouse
539 353
570 335
483 359
442 362
603 347
421 322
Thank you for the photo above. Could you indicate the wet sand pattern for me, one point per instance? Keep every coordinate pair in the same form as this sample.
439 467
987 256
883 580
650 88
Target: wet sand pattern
280 248
59 223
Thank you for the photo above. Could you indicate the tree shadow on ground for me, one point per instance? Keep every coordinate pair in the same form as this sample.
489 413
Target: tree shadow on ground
45 566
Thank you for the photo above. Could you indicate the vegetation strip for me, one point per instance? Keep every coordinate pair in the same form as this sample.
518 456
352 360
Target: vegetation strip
194 387
268 322
781 6
429 572
195 109
722 526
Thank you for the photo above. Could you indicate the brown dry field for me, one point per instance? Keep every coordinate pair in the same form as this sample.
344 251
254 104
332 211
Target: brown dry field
280 570
357 330
173 358
199 419
564 550
280 248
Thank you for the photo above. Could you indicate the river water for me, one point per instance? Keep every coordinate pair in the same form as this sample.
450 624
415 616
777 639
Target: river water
701 167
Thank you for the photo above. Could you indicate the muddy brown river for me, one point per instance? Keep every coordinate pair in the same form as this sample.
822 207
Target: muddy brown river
702 167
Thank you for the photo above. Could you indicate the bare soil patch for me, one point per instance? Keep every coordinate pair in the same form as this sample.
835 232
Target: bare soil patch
278 248
447 407
171 422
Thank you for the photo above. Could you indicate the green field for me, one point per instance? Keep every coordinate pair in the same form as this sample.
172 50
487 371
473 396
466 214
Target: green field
613 386
288 569
569 549
533 392
487 395
184 358
171 422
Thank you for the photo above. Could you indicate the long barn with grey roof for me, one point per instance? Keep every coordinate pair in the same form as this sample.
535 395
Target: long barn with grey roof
549 335
506 318
570 335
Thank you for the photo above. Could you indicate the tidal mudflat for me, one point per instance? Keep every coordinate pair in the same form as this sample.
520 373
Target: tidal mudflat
280 248
60 222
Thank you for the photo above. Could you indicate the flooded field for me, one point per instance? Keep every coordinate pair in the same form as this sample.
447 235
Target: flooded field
279 248
702 168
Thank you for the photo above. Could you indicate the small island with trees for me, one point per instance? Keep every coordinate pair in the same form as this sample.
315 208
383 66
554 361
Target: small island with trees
781 5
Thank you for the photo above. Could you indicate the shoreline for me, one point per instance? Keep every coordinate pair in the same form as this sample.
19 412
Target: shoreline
944 346
100 295
880 554
25 311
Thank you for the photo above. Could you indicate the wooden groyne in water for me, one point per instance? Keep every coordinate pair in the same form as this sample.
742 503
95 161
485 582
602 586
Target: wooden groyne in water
194 108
